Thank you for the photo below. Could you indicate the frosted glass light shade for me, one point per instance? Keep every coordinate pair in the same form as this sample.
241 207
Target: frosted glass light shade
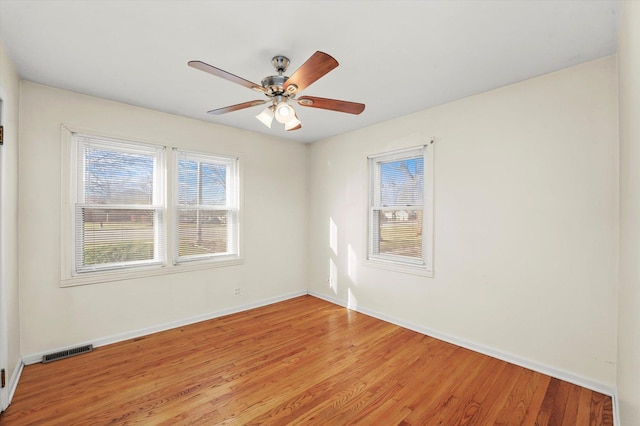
266 116
284 112
294 122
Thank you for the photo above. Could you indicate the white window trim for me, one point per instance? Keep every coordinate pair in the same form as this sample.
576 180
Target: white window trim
412 266
232 195
67 276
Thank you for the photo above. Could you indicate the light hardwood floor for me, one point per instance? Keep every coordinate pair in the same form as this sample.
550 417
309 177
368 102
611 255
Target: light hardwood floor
302 361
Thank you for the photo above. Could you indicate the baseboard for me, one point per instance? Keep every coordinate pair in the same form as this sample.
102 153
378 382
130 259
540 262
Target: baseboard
492 352
616 409
37 357
13 381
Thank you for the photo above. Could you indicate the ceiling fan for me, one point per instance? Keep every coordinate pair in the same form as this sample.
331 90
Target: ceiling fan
280 90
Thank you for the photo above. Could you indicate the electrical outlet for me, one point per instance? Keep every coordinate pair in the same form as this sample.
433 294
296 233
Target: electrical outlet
237 291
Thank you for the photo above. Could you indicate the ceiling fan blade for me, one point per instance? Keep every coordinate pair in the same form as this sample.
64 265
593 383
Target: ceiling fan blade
226 75
315 67
237 107
332 104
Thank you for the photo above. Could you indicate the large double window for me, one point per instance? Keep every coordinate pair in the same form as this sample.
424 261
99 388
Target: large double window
120 193
400 210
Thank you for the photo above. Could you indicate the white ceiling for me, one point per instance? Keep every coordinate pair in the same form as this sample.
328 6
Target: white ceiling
397 57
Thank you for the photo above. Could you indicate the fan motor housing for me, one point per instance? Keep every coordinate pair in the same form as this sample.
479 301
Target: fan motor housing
274 84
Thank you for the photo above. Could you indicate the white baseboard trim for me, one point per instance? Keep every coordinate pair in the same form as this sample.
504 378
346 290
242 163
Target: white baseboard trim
13 381
37 357
511 358
616 409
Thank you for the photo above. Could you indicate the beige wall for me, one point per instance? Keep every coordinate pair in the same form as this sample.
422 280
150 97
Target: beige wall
526 222
273 175
629 306
9 86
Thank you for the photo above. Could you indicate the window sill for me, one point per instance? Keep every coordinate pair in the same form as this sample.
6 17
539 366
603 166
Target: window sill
398 267
103 277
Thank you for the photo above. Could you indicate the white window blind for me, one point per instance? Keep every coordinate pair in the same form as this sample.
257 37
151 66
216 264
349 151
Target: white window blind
396 221
207 207
119 204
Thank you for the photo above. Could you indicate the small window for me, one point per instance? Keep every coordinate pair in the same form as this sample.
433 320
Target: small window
400 209
119 204
207 207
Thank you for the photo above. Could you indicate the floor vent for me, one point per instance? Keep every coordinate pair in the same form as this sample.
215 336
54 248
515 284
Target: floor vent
66 353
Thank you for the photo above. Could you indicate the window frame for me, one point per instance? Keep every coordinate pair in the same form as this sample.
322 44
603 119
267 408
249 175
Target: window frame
68 276
158 204
418 266
232 207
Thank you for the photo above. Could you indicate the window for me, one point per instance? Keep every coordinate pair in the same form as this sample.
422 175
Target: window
116 223
118 204
207 207
400 209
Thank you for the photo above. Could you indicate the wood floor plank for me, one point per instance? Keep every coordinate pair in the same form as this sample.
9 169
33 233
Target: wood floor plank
601 413
515 408
583 411
544 415
471 401
537 400
466 394
464 365
571 409
560 403
302 361
487 412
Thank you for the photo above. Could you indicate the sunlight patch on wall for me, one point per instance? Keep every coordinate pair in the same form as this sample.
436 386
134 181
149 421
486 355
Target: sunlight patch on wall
333 276
352 302
333 236
353 265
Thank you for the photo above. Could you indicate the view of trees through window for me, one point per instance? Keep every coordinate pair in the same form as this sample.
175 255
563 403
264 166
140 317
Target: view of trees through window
399 213
117 236
114 213
205 220
121 200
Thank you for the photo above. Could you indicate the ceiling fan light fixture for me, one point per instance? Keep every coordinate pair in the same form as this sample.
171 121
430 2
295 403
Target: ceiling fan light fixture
293 123
284 112
266 116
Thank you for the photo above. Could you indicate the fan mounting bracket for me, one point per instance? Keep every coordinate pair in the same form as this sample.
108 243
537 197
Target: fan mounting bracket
280 63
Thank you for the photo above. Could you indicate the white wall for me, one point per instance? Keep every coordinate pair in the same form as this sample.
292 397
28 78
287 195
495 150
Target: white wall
526 221
274 195
629 306
9 89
